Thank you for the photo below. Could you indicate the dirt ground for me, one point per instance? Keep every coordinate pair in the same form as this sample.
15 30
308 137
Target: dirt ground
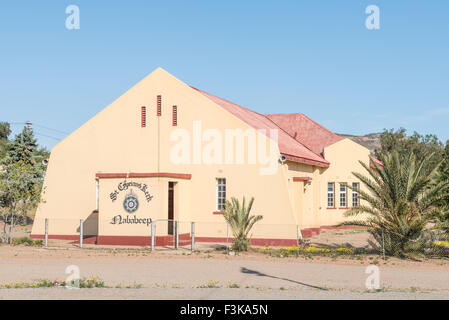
168 274
214 274
210 294
19 231
347 238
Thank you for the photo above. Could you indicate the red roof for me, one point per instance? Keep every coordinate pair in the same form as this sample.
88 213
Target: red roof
306 131
295 150
379 163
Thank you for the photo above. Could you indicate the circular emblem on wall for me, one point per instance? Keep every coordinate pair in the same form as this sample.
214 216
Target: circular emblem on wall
131 203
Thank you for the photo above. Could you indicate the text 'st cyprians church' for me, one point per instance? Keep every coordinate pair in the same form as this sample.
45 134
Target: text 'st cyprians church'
167 151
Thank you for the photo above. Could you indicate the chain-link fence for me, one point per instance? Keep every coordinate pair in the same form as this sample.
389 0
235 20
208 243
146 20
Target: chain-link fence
156 234
199 235
59 232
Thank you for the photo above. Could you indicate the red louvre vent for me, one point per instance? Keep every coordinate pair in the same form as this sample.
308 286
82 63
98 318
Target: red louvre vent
159 106
143 115
175 115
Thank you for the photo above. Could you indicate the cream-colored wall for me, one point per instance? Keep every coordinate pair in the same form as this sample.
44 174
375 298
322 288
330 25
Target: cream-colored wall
310 197
114 142
344 157
302 193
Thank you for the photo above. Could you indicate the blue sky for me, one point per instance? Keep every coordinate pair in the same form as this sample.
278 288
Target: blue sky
314 57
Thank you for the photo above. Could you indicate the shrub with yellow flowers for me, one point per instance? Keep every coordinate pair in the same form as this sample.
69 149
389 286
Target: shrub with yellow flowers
311 251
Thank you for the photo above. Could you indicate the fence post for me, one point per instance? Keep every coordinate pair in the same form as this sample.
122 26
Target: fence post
153 231
176 235
193 236
46 232
227 236
297 239
81 232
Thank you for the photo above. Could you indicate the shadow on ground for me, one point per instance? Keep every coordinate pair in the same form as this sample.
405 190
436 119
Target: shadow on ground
260 274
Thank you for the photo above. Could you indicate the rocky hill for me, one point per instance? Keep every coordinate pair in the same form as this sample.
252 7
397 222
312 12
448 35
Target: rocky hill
370 141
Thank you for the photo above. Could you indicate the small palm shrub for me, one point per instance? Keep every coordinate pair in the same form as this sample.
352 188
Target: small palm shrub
241 222
401 199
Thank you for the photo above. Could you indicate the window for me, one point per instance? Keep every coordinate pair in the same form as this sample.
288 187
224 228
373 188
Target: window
330 194
355 194
221 193
175 116
343 196
143 117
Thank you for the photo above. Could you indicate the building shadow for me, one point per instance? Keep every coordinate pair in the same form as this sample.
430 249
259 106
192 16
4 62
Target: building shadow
260 274
90 225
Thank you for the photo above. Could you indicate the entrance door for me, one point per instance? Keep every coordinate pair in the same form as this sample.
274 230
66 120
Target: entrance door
171 207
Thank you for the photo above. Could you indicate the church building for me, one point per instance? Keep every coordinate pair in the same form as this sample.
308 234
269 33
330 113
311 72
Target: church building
166 152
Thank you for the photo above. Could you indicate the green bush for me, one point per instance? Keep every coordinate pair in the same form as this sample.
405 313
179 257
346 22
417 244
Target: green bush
27 241
311 251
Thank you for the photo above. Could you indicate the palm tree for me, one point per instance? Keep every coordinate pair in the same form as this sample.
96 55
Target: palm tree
401 200
442 220
239 219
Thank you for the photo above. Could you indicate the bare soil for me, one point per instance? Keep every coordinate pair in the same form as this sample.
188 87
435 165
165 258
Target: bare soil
181 274
19 231
343 238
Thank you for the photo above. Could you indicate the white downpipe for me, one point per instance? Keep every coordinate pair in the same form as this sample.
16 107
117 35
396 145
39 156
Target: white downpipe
97 194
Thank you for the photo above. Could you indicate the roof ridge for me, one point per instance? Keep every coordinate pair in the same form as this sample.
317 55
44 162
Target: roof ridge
294 137
230 102
322 159
321 126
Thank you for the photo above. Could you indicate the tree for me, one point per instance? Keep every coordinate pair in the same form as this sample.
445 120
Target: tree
239 219
445 164
5 131
402 198
419 145
443 176
21 178
20 192
23 147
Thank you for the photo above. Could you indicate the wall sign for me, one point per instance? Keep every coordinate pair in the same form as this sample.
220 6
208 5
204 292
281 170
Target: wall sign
127 220
123 186
130 203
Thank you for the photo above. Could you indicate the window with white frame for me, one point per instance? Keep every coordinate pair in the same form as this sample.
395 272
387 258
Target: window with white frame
221 193
343 196
330 194
355 194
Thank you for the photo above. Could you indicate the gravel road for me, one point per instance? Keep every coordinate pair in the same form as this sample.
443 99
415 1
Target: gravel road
180 277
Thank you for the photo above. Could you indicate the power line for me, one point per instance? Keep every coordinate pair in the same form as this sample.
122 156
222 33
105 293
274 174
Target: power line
44 135
40 126
55 130
28 123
